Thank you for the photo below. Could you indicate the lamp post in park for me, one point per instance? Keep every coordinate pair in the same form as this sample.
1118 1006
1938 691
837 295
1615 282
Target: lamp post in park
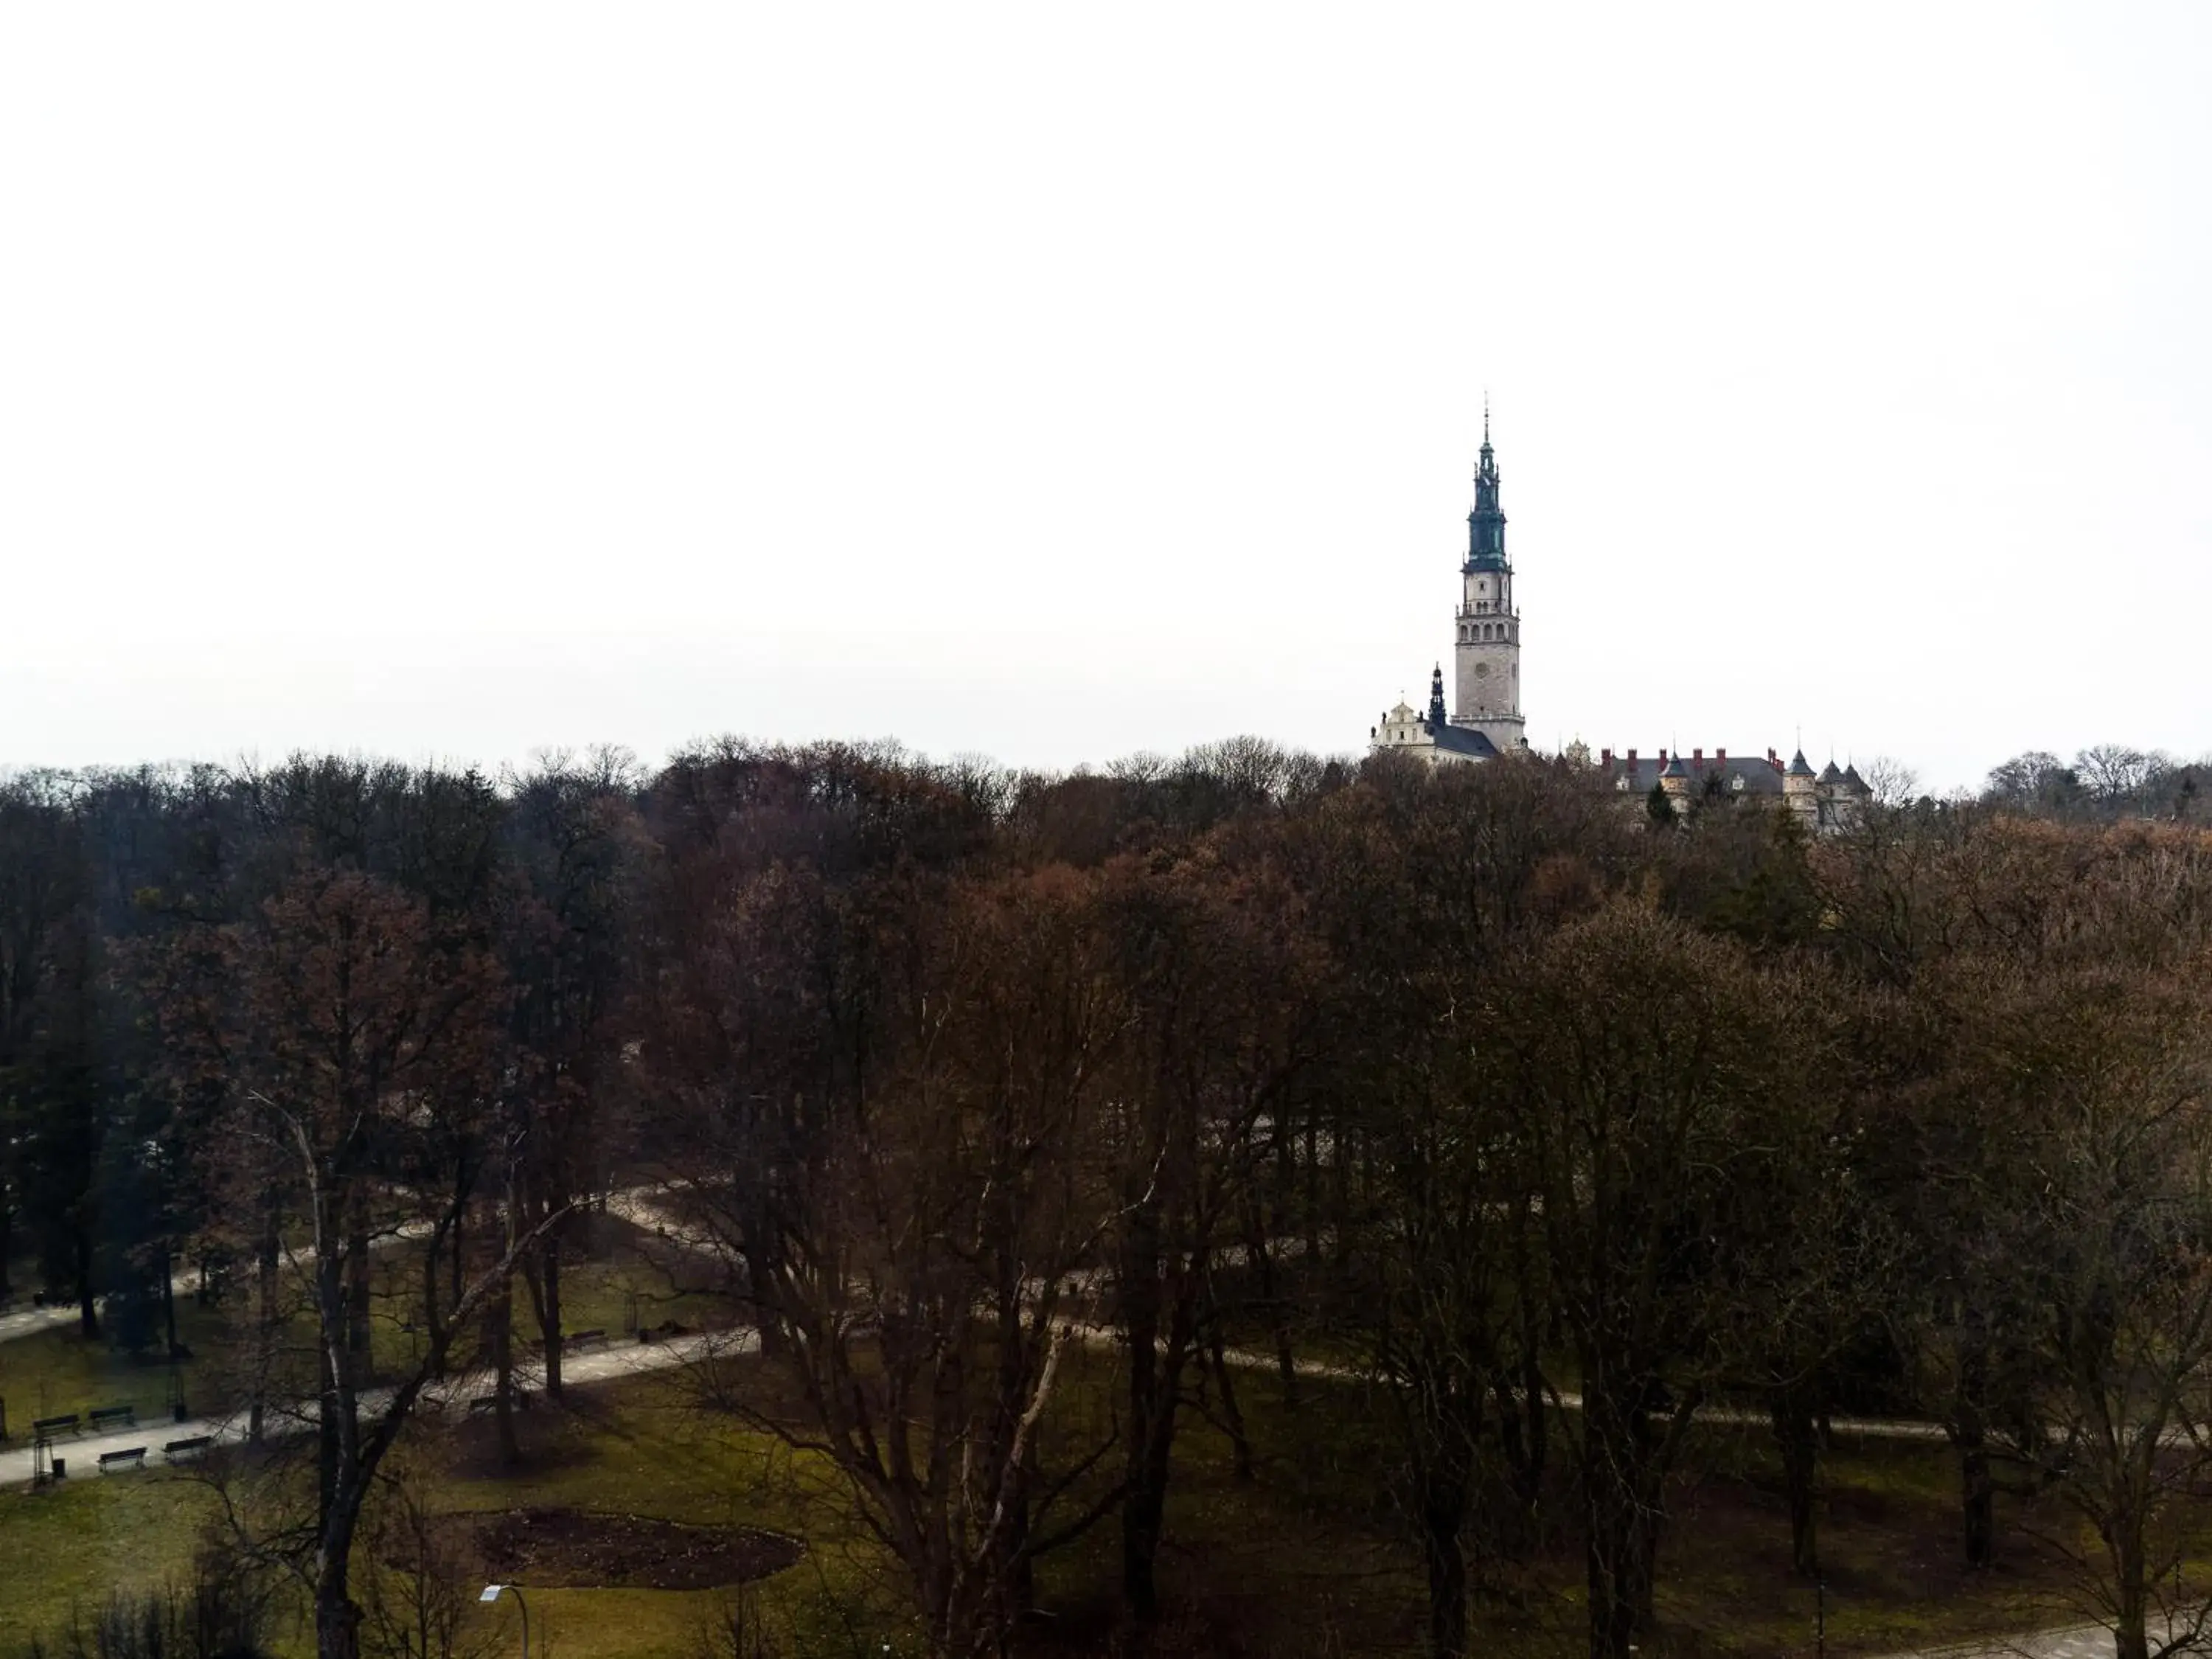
492 1592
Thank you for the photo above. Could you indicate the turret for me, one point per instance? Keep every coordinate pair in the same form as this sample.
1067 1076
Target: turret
1801 791
1844 796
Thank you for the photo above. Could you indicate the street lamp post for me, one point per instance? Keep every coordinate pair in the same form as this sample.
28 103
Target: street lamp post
491 1593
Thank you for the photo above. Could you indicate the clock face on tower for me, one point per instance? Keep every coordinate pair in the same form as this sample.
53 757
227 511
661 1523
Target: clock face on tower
1482 671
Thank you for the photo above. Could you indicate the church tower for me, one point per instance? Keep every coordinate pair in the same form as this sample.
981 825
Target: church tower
1487 652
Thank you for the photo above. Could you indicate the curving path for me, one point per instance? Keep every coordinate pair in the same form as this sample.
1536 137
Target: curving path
616 1362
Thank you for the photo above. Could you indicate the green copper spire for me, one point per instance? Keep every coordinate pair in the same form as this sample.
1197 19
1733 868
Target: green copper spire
1486 525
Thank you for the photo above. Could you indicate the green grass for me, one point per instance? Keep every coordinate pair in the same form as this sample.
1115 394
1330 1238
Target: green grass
647 1447
1309 1558
67 1547
643 1446
57 1370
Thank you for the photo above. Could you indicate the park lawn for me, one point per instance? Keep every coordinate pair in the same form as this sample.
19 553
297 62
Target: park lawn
643 1446
57 1371
650 1446
67 1547
609 1263
1304 1559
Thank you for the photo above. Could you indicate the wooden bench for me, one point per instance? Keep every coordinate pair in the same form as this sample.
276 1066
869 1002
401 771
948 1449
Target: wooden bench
485 1402
110 1417
583 1338
45 1428
136 1457
177 1451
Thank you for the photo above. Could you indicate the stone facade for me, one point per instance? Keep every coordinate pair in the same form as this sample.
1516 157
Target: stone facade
1824 803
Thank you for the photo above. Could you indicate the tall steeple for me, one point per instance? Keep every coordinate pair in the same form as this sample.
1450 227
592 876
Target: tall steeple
1485 522
1486 652
1437 697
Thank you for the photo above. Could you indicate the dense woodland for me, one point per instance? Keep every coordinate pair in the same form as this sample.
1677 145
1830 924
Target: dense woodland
1561 1121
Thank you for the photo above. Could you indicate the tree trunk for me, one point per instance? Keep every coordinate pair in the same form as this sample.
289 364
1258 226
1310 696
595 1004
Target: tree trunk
337 1617
169 1298
1141 1512
1978 1498
549 1312
1619 1480
498 1331
1232 1419
337 1623
265 1321
358 1261
1444 1484
87 1305
543 1280
1526 1434
1341 1185
1797 1433
1978 1492
1623 1547
1313 1192
1146 1498
1524 1437
2130 1584
1155 1368
1260 1258
460 1237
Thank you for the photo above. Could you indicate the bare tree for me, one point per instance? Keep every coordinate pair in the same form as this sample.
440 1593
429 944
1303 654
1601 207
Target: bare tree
364 1036
920 1230
1657 1076
420 1584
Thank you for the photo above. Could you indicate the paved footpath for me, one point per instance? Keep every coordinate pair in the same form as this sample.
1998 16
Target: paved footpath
2075 1642
633 1359
610 1364
31 1320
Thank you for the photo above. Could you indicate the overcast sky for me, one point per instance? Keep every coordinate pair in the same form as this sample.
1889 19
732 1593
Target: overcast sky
1053 382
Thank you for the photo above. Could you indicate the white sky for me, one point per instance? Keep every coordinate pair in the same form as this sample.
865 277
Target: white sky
1052 382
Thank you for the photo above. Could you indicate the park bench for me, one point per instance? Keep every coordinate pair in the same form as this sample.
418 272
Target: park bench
110 1417
484 1402
177 1451
583 1337
45 1428
136 1457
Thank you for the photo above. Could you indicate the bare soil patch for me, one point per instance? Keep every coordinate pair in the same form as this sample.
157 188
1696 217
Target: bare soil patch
586 1549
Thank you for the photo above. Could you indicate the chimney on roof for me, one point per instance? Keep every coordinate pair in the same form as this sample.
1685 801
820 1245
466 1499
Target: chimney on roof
1662 760
1697 757
1774 760
1631 760
1720 758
